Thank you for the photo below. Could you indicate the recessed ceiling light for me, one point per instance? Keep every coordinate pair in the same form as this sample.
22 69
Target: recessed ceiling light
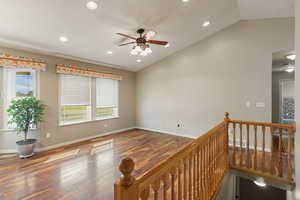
291 57
92 5
138 60
63 39
206 23
185 1
109 52
167 45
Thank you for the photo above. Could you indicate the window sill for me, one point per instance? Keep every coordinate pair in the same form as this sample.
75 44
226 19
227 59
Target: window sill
89 121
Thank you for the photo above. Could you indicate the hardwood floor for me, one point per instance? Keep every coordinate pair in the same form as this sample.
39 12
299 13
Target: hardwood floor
87 170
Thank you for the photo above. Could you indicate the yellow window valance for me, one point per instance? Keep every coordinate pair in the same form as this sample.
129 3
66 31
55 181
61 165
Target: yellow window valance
74 70
8 60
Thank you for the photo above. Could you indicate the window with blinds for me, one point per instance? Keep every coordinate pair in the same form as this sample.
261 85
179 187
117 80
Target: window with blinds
106 98
75 99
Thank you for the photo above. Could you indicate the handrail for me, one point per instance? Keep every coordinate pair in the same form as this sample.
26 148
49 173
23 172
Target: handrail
197 169
262 148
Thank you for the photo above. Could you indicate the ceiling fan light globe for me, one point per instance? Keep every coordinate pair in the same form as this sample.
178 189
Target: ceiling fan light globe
143 53
138 49
148 50
133 52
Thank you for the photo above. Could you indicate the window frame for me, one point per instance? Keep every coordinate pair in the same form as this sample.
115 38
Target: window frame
5 94
93 103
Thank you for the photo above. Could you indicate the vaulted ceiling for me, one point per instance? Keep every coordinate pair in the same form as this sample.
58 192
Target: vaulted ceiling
37 25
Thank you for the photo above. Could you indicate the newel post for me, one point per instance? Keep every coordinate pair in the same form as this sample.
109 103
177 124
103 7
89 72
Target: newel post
126 188
226 121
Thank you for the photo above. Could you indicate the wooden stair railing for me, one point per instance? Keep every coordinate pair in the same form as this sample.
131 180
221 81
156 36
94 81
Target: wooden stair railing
263 149
196 171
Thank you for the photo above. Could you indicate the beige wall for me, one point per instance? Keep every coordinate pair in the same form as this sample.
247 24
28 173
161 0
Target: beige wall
49 96
196 86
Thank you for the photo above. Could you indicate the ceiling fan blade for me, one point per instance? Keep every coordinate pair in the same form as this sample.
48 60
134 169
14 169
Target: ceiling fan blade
126 44
128 36
157 42
149 34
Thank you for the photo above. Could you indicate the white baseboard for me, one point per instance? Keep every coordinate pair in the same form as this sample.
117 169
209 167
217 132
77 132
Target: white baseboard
166 132
6 151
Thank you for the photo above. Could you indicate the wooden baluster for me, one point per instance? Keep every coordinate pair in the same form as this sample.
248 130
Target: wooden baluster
201 173
173 174
234 144
165 186
179 186
145 194
241 144
263 147
205 153
213 162
248 138
185 179
280 153
198 172
290 172
194 175
209 166
190 177
155 186
272 167
248 160
255 147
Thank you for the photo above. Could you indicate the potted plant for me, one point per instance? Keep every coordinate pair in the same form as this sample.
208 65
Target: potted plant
25 113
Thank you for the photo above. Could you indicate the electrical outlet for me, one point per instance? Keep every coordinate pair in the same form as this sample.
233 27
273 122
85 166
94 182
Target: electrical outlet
48 135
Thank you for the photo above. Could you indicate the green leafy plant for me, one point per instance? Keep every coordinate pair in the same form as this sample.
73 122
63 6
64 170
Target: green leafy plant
24 113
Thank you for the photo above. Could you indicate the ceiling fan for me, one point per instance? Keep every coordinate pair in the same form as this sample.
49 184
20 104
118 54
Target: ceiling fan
142 42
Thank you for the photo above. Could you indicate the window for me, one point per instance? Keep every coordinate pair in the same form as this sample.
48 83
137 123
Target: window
16 83
107 98
75 99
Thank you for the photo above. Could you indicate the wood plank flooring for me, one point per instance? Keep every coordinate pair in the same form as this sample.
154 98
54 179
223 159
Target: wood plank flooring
87 170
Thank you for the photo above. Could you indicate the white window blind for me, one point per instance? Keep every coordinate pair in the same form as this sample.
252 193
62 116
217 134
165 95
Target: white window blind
75 99
75 90
106 98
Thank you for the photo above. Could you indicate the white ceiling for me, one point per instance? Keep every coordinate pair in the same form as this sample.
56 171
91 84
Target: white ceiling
36 25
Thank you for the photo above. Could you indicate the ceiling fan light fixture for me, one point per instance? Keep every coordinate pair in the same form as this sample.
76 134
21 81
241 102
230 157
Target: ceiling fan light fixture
167 45
138 60
138 49
143 53
148 50
133 52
